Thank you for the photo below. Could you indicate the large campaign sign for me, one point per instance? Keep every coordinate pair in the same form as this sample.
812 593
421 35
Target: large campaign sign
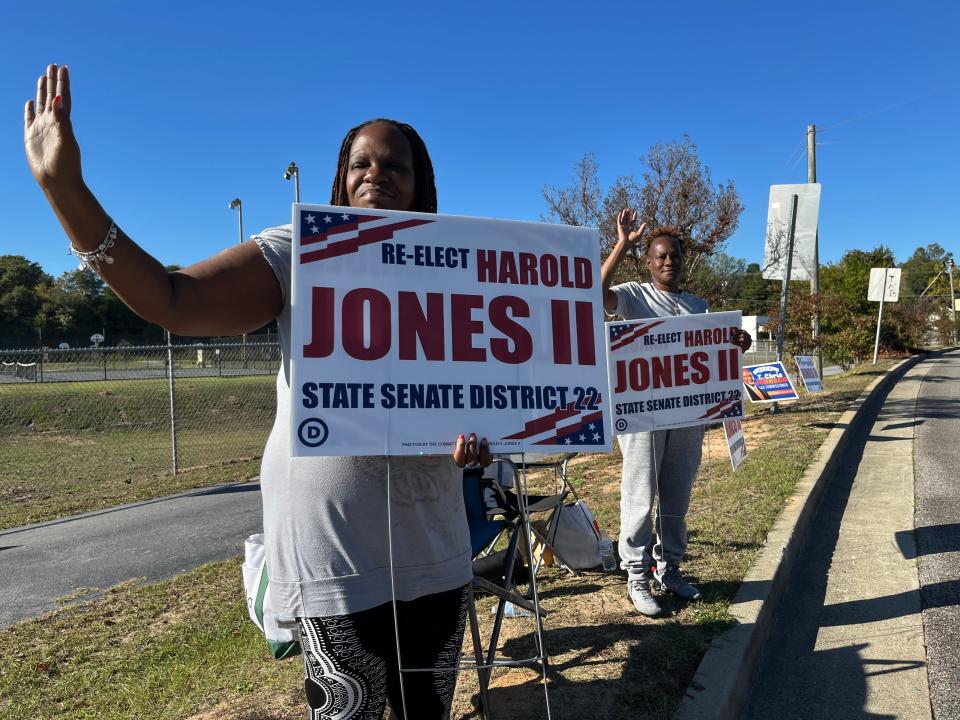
410 328
674 371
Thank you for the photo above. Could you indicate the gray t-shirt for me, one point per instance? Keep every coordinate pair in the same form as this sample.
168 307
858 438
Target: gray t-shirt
636 301
325 518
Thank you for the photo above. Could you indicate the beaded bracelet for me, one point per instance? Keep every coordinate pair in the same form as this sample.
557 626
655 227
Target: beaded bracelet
95 257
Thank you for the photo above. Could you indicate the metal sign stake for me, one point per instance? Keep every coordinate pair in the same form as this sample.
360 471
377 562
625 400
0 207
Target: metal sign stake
781 330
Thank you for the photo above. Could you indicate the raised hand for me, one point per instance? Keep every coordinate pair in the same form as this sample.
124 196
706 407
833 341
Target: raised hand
52 150
627 230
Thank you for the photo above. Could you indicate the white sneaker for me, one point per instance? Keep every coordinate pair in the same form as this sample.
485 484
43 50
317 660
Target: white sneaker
638 590
670 578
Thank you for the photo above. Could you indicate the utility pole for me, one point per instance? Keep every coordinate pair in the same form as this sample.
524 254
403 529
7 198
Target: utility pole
815 275
949 265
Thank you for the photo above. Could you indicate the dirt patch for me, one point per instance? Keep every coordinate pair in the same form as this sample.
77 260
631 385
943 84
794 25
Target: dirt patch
270 706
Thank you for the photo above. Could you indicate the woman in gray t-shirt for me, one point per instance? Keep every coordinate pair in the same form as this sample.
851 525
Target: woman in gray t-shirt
662 463
324 518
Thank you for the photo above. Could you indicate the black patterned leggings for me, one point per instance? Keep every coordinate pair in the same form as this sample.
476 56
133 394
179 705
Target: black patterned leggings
350 661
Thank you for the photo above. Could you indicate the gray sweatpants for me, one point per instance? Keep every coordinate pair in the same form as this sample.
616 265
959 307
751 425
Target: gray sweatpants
677 453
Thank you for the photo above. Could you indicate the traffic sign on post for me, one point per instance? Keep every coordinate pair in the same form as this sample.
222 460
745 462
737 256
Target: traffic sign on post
884 285
775 248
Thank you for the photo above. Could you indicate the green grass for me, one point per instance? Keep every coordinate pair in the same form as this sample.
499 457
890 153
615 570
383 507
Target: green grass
157 651
184 648
75 447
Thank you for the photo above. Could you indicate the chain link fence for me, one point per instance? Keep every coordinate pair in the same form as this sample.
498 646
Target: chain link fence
158 408
762 351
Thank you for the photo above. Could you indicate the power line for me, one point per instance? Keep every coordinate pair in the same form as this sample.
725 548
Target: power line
885 108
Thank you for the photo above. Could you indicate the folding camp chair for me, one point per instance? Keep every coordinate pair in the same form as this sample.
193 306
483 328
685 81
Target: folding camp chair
553 505
484 533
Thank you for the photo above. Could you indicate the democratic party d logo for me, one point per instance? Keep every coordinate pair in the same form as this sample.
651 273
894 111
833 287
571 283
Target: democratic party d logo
313 432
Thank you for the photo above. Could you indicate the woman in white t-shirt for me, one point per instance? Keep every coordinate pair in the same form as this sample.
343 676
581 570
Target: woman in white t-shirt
663 462
324 518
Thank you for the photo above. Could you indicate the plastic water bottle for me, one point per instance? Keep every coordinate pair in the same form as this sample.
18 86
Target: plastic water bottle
512 611
607 557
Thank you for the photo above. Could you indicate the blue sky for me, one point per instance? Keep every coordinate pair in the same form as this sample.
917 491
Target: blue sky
181 107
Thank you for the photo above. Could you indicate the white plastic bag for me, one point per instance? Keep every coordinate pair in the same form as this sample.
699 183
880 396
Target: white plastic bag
577 539
283 642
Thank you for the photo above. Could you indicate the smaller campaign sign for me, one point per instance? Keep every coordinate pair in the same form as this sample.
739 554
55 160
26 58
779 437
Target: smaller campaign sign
808 371
672 372
768 382
736 442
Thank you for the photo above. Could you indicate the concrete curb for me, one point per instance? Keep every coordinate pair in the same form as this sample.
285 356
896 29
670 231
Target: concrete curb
721 684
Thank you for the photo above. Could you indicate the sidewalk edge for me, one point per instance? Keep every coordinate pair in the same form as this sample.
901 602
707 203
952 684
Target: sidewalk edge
720 686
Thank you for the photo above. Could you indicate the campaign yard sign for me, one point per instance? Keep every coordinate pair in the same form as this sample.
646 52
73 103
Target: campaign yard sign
736 442
768 382
674 372
808 371
409 328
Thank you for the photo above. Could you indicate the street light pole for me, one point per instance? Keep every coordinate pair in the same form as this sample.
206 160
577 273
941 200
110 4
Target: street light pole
235 204
293 171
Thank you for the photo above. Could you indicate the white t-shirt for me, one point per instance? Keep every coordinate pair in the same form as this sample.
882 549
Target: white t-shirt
636 301
325 518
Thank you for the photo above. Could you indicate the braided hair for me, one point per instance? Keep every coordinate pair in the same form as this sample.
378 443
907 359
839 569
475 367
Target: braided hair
425 188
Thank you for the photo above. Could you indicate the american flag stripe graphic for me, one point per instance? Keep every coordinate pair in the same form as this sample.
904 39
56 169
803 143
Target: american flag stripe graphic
623 335
338 230
568 430
547 422
364 237
722 409
325 235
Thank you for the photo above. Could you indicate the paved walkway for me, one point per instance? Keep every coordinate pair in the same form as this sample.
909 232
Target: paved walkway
848 638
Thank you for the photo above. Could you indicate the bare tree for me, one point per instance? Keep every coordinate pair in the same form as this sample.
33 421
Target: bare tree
581 203
676 189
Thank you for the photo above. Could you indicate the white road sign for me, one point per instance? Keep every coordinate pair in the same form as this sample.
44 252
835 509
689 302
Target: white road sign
778 231
884 284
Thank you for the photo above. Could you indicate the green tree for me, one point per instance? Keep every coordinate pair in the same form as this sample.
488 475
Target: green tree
758 296
850 277
921 269
20 304
719 281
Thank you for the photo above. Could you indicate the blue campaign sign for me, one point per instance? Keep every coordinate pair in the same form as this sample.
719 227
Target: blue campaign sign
768 382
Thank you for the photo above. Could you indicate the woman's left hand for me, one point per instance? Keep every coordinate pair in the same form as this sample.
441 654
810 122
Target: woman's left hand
469 452
742 339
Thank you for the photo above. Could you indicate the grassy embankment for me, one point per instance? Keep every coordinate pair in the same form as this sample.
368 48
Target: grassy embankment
67 448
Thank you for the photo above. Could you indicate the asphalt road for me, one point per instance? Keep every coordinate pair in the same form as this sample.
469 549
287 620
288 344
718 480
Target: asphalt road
937 468
869 626
154 540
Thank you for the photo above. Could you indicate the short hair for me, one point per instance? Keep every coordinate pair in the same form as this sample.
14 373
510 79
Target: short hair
425 188
670 231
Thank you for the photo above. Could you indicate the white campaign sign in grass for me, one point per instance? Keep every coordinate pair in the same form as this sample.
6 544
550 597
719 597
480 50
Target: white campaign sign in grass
736 442
809 374
672 372
410 328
